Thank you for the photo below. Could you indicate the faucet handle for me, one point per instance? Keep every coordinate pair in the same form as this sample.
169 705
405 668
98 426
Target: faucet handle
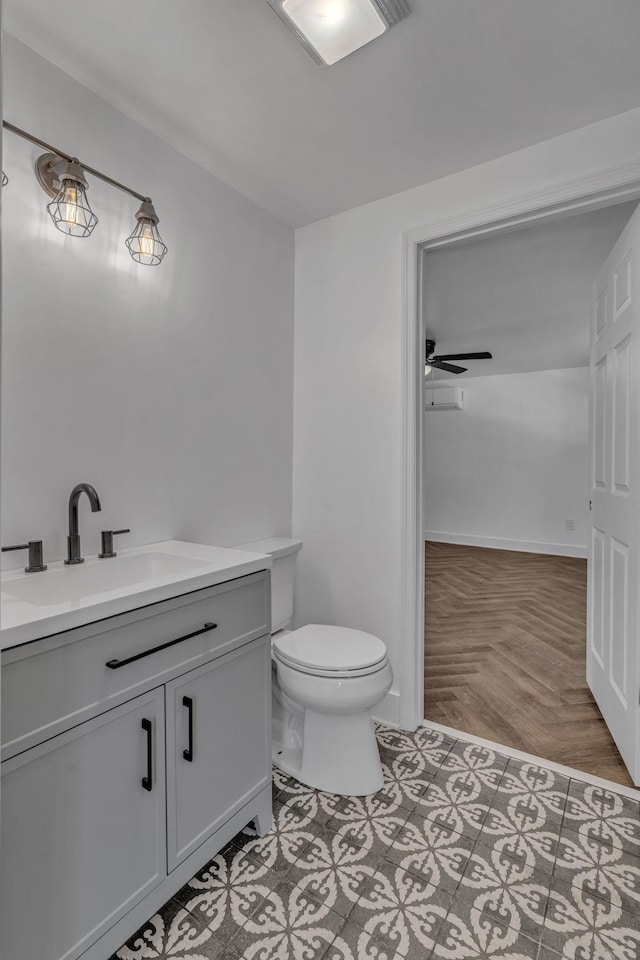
35 555
107 542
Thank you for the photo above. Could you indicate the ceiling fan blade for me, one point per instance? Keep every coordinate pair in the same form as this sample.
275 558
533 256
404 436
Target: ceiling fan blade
465 356
449 367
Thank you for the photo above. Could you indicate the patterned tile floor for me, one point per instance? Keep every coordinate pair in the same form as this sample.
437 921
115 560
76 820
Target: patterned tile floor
465 854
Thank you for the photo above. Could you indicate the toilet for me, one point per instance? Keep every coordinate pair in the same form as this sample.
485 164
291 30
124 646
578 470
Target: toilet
325 681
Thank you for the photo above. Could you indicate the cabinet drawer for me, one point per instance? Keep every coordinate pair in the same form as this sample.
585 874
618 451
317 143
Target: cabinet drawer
53 684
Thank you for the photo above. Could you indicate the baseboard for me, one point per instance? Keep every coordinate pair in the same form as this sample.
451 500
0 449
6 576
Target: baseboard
388 711
499 543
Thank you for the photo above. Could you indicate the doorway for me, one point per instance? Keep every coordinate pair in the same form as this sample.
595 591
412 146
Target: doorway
489 583
505 654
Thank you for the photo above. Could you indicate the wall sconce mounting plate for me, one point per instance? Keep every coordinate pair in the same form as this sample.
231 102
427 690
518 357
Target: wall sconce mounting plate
46 175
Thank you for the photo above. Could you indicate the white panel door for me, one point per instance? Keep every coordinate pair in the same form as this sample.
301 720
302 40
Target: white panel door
612 641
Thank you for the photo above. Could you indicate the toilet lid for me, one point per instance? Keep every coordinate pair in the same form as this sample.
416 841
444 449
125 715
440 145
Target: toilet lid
327 649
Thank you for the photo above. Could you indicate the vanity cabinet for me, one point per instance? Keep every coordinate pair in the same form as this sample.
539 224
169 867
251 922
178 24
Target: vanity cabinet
120 783
62 680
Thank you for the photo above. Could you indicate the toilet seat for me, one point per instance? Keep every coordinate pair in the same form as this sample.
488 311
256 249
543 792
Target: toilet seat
328 651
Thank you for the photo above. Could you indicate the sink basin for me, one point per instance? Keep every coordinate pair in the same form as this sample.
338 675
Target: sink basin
75 583
34 605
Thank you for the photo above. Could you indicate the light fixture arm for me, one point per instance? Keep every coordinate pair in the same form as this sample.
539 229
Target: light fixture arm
67 157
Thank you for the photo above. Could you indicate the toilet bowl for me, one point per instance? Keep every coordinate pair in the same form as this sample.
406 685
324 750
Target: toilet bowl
332 677
325 681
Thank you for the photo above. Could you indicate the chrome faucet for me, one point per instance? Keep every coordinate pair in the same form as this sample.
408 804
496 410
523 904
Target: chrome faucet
73 540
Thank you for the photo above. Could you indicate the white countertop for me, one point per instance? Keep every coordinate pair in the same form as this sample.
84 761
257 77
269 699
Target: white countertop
71 596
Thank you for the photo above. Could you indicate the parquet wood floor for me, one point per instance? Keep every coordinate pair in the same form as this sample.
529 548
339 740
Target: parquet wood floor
505 647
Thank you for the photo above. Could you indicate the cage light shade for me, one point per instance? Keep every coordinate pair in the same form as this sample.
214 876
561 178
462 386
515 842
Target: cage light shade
70 210
332 29
145 243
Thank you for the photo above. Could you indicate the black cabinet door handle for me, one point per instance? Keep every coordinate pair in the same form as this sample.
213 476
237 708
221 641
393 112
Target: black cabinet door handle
116 664
188 753
147 781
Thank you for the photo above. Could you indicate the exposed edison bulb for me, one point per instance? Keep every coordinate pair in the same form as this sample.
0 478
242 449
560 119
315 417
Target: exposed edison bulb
68 205
70 210
145 243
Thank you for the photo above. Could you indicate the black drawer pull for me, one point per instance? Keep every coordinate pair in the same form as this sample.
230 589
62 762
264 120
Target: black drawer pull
188 753
147 781
116 664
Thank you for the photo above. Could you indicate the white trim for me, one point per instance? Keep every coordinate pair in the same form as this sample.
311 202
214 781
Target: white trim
608 186
388 711
500 543
540 761
579 195
410 679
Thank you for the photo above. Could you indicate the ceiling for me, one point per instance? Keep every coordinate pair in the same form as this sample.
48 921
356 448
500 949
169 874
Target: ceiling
457 83
525 295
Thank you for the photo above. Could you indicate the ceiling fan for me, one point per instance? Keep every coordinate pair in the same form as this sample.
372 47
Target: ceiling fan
439 362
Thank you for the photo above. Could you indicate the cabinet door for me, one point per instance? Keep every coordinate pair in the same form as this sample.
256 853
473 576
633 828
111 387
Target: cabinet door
83 839
218 744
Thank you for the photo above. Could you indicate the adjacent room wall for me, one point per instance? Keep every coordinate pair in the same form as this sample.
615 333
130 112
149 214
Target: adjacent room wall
348 391
169 388
511 468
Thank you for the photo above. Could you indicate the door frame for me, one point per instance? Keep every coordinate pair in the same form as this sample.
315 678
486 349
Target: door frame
570 197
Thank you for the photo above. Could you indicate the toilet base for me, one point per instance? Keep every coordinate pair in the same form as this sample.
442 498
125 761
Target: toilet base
340 754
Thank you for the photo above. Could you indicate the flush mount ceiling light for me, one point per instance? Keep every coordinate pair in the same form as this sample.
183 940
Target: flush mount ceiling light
64 179
332 29
145 243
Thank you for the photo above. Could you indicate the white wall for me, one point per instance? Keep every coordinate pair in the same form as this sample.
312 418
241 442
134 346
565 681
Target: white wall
512 467
523 295
348 390
169 387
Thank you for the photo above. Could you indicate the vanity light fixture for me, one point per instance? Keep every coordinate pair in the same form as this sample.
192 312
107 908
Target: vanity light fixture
63 178
70 210
330 30
145 243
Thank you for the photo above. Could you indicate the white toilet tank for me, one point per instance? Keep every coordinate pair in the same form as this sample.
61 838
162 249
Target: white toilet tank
283 552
